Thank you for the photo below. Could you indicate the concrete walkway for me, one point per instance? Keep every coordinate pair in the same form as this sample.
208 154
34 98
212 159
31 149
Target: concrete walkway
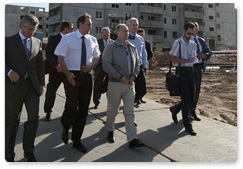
165 141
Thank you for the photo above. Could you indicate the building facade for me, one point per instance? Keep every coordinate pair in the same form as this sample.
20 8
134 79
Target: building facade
163 22
14 13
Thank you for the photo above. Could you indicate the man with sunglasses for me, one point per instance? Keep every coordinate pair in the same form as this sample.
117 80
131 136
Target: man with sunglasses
183 52
203 54
56 75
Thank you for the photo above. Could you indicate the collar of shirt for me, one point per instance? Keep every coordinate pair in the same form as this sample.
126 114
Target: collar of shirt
133 34
79 34
22 36
184 43
107 41
28 40
61 34
119 43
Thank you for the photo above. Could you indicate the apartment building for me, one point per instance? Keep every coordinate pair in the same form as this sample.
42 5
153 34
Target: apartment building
163 22
14 13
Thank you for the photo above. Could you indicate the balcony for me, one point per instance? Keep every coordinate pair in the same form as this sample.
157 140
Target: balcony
151 24
54 19
54 6
196 15
194 4
151 9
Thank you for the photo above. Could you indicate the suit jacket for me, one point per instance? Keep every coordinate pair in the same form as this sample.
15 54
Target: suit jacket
205 50
102 47
16 59
148 50
115 61
51 59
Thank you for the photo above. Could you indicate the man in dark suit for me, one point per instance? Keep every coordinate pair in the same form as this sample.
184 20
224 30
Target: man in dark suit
99 73
56 76
203 54
24 80
149 51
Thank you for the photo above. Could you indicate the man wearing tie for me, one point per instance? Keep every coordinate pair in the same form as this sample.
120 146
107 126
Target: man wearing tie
138 41
56 75
24 81
203 54
78 54
99 73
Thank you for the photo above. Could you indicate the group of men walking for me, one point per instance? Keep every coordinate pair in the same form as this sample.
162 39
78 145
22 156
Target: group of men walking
71 56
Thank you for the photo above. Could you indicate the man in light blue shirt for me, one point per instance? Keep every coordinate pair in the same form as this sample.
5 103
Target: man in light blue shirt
138 41
183 52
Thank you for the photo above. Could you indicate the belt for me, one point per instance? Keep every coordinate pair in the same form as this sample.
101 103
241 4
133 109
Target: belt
26 78
80 72
197 65
186 68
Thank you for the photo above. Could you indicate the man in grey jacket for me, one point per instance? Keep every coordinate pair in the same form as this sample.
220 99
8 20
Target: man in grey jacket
120 60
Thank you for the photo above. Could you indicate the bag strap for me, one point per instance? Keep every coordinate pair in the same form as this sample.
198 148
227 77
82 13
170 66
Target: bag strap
179 57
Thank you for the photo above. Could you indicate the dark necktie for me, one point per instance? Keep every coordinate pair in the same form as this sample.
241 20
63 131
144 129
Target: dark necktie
198 47
106 43
26 49
131 37
83 53
26 75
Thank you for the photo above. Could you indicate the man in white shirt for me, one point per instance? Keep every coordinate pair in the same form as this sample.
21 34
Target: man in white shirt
183 54
78 54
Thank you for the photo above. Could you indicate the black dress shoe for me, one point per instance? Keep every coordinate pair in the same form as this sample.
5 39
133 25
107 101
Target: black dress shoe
30 157
142 101
196 118
48 117
135 143
191 132
174 113
96 105
111 137
10 159
65 135
80 147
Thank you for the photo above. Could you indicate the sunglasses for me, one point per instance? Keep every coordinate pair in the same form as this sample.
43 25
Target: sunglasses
189 33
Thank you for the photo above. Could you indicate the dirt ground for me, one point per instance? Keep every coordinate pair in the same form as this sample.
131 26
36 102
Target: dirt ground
217 100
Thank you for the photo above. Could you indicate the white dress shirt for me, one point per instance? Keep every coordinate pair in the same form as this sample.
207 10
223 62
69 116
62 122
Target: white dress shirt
28 40
187 50
70 48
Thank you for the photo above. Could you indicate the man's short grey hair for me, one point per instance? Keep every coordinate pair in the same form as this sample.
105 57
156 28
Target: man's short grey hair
105 29
131 19
119 26
29 19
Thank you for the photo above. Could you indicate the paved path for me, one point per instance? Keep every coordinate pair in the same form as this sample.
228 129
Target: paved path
165 141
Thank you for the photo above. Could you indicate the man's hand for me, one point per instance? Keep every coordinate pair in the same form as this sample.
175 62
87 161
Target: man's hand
191 59
124 80
201 56
13 76
86 69
70 76
145 71
41 89
132 79
59 68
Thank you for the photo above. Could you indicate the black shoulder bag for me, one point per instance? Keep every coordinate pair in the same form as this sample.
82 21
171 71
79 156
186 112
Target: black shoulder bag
173 80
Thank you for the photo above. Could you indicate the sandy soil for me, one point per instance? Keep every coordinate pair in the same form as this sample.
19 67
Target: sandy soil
217 100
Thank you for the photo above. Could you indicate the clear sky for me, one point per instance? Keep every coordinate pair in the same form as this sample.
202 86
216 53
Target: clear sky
43 5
